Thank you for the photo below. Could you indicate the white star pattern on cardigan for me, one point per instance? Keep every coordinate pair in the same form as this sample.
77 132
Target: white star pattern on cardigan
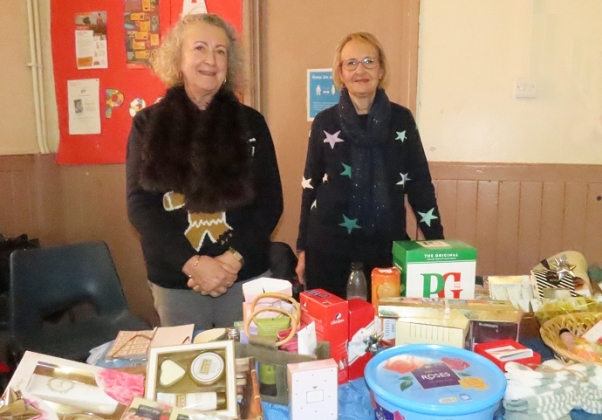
306 183
332 139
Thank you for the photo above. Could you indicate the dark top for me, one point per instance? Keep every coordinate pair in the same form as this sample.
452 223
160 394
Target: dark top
328 188
163 225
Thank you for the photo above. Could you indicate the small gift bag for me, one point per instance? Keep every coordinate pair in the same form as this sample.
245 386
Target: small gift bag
556 274
566 270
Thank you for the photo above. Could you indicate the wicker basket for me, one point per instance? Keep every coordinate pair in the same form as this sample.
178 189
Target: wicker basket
576 323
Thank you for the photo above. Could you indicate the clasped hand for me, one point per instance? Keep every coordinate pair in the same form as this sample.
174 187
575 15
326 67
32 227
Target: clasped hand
212 275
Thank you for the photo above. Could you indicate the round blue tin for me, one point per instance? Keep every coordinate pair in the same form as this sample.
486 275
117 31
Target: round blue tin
421 381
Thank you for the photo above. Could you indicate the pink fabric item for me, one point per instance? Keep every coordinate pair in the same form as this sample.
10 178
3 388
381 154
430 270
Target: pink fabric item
120 386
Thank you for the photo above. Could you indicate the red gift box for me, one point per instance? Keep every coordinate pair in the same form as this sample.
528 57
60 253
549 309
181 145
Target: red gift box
330 314
361 327
501 352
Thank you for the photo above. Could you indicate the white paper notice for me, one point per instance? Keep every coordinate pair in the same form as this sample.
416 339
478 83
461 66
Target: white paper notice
90 51
84 110
193 7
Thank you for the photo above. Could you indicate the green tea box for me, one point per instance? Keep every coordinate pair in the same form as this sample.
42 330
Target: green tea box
436 269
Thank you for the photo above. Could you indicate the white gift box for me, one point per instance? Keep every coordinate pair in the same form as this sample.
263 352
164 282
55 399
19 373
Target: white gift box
313 390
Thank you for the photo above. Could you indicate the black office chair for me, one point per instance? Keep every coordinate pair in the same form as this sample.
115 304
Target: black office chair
48 281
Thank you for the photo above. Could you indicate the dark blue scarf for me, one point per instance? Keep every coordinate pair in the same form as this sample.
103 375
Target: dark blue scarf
370 202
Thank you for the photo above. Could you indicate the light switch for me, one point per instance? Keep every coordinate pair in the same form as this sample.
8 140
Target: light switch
525 88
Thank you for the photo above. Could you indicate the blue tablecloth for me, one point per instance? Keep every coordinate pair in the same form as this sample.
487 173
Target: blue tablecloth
354 397
354 404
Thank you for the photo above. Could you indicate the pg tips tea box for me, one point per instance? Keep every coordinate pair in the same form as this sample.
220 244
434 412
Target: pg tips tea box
436 269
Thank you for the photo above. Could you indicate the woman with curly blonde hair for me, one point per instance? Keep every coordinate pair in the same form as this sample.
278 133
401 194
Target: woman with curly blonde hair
203 186
166 59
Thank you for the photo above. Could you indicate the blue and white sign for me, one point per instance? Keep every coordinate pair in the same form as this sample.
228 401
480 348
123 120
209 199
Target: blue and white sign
321 92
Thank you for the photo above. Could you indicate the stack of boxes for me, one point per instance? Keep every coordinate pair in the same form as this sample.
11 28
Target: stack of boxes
346 325
488 320
330 314
436 306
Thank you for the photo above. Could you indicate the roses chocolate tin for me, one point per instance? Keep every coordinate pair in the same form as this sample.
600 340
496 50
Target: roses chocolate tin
421 381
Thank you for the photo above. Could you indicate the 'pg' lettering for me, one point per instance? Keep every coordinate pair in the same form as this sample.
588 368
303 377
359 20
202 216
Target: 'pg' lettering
434 284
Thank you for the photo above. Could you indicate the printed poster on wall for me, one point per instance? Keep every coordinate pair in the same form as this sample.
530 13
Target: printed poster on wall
321 92
84 113
142 31
91 40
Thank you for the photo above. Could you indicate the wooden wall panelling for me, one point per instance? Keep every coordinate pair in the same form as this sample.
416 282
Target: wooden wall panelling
575 205
17 215
95 200
543 209
411 223
7 212
507 231
593 223
446 200
486 223
466 204
514 214
48 200
529 217
552 217
73 202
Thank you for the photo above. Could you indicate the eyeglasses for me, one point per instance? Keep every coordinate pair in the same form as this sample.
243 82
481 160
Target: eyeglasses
352 63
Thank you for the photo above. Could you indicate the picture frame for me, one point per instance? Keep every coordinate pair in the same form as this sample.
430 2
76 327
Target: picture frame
197 377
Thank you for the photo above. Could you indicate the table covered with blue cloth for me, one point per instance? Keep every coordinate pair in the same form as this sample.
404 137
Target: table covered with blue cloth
354 397
354 404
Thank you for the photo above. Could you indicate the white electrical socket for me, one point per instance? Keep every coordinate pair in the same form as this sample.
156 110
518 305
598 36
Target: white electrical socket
525 88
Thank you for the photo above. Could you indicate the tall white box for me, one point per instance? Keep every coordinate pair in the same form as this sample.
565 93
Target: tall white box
437 269
313 390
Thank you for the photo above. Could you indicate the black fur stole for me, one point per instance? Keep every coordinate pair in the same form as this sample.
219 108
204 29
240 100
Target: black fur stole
204 155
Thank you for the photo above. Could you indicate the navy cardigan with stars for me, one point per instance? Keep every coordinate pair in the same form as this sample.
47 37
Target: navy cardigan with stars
326 197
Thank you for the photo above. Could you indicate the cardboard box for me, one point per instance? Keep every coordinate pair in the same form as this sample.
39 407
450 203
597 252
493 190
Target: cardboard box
501 352
361 327
175 372
392 307
485 331
521 291
269 354
489 319
431 326
331 314
441 268
313 390
385 328
61 387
